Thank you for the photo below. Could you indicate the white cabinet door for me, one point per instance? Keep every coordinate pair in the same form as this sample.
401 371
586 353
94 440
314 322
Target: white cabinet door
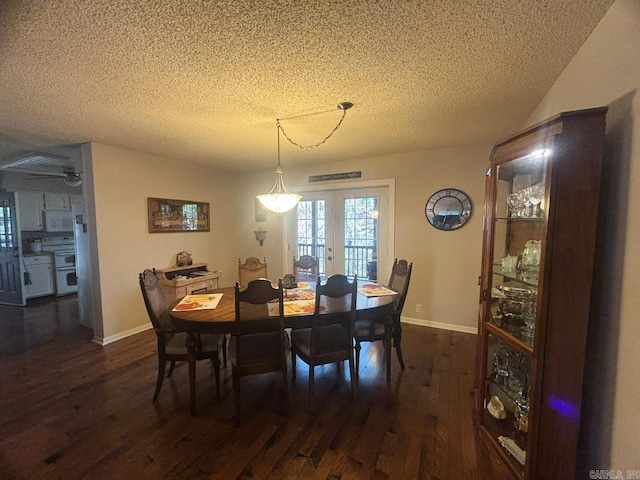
29 206
56 201
73 199
40 269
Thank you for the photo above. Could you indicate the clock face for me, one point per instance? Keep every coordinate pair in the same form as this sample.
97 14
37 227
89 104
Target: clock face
448 209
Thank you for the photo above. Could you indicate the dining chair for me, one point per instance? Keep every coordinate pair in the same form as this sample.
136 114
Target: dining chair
305 268
330 338
171 341
388 328
251 269
260 343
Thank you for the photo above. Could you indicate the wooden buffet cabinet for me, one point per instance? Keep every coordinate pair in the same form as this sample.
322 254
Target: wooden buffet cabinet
541 206
177 282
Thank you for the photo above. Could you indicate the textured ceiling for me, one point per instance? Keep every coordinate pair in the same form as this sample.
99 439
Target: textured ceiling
205 81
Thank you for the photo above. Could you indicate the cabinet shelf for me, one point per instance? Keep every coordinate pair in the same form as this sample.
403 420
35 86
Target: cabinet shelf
529 277
521 219
510 338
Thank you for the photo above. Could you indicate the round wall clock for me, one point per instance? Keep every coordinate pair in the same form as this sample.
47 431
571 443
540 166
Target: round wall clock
448 209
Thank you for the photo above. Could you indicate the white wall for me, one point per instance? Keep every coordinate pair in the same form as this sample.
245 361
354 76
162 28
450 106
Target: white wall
446 265
123 180
606 71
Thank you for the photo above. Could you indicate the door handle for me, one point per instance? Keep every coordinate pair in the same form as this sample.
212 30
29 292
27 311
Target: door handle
329 258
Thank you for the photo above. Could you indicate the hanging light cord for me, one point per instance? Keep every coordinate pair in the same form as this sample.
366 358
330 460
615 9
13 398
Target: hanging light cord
344 106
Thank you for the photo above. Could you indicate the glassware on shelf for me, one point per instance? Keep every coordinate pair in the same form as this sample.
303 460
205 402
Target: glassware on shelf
529 319
525 198
509 313
515 204
536 195
525 203
501 363
509 263
521 415
531 255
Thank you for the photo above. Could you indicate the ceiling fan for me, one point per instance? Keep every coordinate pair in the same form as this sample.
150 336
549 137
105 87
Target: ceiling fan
69 176
35 159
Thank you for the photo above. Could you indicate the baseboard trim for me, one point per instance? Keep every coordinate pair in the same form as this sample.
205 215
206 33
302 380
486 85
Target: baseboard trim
413 321
119 336
439 325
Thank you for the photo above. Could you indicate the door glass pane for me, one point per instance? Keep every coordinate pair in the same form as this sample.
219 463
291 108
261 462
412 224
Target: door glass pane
360 236
6 232
311 236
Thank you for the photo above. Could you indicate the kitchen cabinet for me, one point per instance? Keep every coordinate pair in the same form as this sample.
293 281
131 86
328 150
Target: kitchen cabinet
30 206
41 275
541 205
56 201
75 199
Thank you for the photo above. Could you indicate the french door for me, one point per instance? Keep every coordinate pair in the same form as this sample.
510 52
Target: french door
10 276
347 230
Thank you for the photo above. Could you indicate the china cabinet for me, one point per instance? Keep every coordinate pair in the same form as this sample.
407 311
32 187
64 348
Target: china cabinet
539 242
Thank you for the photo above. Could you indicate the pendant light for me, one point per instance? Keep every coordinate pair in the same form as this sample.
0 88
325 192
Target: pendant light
279 200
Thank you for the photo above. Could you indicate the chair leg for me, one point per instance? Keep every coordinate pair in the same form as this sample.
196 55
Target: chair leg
224 351
173 364
387 357
285 384
311 382
215 364
353 375
358 348
160 379
397 342
293 365
191 355
399 352
236 385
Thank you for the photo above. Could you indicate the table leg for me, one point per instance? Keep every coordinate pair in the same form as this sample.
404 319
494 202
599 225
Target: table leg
191 358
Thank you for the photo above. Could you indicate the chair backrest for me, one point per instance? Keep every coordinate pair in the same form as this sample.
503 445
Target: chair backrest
339 296
306 268
154 299
251 269
399 281
252 311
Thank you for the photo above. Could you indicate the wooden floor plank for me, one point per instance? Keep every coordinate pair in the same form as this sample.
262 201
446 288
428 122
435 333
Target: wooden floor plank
73 409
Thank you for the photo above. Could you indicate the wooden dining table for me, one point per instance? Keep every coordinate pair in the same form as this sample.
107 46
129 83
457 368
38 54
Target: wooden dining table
221 320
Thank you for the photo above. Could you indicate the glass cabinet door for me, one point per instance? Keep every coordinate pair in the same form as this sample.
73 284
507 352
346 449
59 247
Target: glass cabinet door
520 191
518 244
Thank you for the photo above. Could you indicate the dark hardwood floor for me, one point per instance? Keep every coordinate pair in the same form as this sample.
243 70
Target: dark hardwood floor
70 409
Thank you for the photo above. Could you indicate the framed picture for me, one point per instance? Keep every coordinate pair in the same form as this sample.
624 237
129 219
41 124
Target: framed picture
177 216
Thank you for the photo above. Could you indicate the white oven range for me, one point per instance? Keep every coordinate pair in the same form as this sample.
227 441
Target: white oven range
64 261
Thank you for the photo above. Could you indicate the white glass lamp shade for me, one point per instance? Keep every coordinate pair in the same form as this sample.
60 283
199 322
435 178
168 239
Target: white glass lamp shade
279 200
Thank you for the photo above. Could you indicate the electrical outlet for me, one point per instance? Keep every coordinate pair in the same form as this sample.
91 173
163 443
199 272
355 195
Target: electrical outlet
418 307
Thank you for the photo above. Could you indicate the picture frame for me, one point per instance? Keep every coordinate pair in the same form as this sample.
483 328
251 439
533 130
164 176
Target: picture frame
172 216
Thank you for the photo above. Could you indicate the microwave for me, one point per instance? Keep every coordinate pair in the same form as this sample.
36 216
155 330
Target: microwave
58 221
